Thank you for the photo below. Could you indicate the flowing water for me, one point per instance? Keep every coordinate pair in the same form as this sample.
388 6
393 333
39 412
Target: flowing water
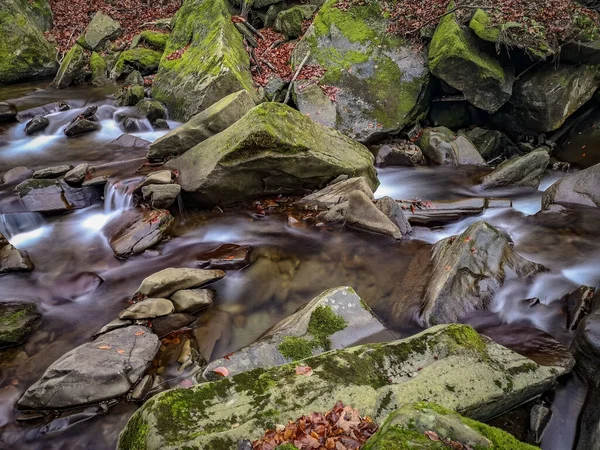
80 286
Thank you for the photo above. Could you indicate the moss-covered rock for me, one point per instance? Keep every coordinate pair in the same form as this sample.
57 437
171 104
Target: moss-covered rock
273 149
17 320
144 60
74 68
450 365
24 51
335 319
155 39
546 96
289 21
151 109
130 95
98 67
214 65
380 81
101 30
405 429
441 146
455 57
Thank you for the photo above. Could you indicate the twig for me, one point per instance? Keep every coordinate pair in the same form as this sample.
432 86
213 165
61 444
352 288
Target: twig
453 10
246 33
268 64
298 70
255 59
252 29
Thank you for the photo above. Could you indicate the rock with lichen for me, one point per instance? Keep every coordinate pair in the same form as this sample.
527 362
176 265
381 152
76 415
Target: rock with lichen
17 321
450 365
335 319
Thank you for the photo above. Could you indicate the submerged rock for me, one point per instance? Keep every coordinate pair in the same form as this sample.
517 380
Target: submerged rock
100 370
441 146
214 48
272 150
450 365
582 188
138 231
12 259
168 281
380 81
200 127
17 321
425 425
520 171
337 318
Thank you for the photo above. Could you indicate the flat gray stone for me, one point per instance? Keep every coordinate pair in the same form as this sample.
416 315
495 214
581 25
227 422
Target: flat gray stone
168 281
337 193
161 196
192 300
52 172
148 309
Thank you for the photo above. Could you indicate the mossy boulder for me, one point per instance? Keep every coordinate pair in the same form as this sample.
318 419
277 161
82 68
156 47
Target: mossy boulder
17 321
74 68
144 60
410 427
130 95
151 109
289 21
101 30
98 67
154 39
24 51
380 82
213 65
333 320
455 57
546 96
450 365
273 149
200 127
441 146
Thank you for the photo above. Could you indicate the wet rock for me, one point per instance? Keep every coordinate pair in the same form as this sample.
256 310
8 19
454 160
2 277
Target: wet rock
337 193
161 124
52 172
17 175
135 232
142 59
308 156
173 322
55 196
540 416
98 67
77 174
335 319
74 68
485 379
160 177
141 390
399 154
151 109
362 213
101 30
168 281
545 96
216 51
100 370
113 325
161 196
35 125
17 321
460 275
520 171
439 212
393 210
129 141
200 127
455 57
388 69
130 95
148 309
582 188
491 143
453 113
8 112
135 78
225 257
578 304
192 300
96 181
441 146
289 21
12 259
81 126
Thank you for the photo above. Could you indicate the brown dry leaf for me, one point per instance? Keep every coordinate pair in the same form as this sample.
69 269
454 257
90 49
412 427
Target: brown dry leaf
104 347
223 371
120 351
304 370
349 418
139 333
432 435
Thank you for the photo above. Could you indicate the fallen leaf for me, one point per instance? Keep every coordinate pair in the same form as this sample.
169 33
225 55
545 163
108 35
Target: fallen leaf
120 351
304 370
104 347
221 371
432 435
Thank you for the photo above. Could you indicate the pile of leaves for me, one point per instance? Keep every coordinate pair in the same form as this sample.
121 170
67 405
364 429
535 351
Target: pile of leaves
71 17
553 21
342 428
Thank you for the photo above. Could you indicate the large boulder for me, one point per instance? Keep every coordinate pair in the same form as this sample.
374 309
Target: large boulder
272 150
74 68
100 370
441 146
289 22
429 426
520 171
200 127
213 65
380 81
455 57
17 321
450 365
544 97
144 60
13 259
101 30
582 188
24 51
458 276
338 318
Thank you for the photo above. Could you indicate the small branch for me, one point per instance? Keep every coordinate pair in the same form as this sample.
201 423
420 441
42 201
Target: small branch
268 64
246 33
298 70
453 10
256 62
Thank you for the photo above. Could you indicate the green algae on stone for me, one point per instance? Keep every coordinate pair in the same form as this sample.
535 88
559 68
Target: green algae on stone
155 39
213 65
455 57
73 68
323 323
296 348
374 378
142 59
17 320
289 22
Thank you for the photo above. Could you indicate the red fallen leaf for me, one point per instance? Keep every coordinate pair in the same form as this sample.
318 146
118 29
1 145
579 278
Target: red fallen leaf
104 347
186 384
432 435
221 371
304 370
228 356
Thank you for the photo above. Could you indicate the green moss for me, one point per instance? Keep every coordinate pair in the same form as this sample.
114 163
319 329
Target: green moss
523 368
142 59
350 23
501 440
155 39
482 26
286 447
134 437
585 29
296 348
98 66
323 323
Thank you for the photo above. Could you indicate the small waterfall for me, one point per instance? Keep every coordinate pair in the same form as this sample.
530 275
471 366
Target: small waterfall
12 224
118 196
